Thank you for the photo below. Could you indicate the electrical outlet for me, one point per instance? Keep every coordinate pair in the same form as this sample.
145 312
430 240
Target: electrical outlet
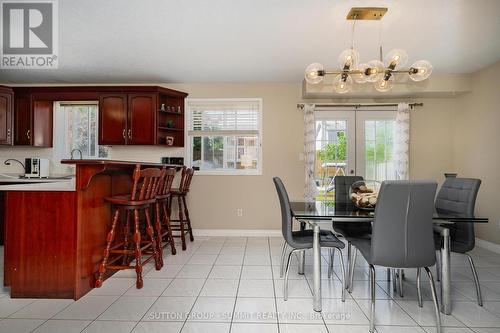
239 212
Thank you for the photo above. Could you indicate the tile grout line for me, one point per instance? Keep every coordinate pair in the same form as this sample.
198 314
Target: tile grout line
201 289
238 288
274 285
137 323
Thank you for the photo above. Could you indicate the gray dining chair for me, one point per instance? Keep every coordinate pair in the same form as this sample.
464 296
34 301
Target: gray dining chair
303 239
457 196
402 235
348 230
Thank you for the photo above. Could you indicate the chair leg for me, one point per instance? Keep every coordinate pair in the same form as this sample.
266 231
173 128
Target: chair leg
400 275
372 299
438 265
126 238
287 270
188 220
158 232
476 280
154 246
107 250
352 265
349 255
419 290
342 268
138 252
434 298
388 274
330 262
282 261
181 224
170 236
394 280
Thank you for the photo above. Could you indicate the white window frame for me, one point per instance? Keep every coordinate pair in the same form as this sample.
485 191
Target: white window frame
188 142
60 124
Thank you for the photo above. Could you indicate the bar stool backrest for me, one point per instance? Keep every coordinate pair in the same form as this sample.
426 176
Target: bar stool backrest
145 183
187 176
166 181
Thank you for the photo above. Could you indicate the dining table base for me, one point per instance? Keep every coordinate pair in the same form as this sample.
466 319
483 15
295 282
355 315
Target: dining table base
445 272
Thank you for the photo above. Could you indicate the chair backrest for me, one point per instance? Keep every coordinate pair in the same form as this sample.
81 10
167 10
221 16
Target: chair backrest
186 177
286 210
342 187
145 183
402 228
167 178
457 196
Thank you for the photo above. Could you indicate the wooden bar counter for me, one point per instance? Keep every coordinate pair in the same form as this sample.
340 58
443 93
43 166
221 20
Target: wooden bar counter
55 239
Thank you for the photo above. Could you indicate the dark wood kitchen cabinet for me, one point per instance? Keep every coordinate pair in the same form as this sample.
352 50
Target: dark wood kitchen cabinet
127 119
33 122
113 119
128 115
141 128
6 116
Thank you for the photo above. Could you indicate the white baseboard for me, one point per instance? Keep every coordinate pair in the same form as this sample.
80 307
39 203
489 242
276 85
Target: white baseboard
488 245
237 232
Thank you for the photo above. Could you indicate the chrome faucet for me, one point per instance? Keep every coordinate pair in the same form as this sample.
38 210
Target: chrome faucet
78 150
7 162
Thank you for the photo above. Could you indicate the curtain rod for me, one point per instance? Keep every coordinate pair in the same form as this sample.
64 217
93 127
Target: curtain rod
356 105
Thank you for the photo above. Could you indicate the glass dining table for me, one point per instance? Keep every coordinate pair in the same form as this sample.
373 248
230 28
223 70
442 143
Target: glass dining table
328 211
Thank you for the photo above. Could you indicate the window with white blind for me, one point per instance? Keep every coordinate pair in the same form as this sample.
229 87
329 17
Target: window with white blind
224 136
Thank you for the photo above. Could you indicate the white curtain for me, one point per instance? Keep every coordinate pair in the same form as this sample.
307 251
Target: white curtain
402 142
310 191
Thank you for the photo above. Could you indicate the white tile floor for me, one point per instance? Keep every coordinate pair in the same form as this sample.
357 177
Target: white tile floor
233 285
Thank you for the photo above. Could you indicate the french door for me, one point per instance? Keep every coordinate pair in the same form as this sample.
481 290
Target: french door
353 143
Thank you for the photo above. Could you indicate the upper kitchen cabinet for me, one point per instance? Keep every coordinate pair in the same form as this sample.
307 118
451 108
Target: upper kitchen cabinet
128 115
142 116
33 121
113 119
141 128
6 116
127 119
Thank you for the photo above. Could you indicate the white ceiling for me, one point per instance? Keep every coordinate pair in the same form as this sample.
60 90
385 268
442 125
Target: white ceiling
256 40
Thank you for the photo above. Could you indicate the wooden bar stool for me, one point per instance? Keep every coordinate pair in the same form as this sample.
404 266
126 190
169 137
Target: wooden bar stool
180 194
163 228
143 196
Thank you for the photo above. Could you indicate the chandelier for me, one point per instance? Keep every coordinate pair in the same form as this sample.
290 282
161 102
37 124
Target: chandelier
380 73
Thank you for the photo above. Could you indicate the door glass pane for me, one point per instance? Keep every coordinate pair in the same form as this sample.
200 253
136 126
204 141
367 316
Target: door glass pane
331 155
379 136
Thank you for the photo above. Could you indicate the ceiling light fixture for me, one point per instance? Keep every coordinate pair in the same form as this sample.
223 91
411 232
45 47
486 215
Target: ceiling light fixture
375 71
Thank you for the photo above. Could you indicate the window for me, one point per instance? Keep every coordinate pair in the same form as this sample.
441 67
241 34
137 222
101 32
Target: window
77 123
352 142
224 135
379 145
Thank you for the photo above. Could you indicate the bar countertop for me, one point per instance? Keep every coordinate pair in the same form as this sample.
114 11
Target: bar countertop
113 162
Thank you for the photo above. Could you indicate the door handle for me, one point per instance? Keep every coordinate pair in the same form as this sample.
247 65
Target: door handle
123 133
28 135
130 134
8 135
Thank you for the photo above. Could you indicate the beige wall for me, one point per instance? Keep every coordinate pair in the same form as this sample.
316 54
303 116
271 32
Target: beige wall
476 144
215 199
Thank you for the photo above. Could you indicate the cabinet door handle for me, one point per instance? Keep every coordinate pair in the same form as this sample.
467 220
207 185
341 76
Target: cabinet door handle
130 134
28 135
123 133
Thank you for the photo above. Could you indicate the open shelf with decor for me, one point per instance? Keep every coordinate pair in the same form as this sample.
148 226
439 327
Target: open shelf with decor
170 120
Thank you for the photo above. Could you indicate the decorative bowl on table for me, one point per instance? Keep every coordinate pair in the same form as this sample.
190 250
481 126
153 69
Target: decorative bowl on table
364 194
